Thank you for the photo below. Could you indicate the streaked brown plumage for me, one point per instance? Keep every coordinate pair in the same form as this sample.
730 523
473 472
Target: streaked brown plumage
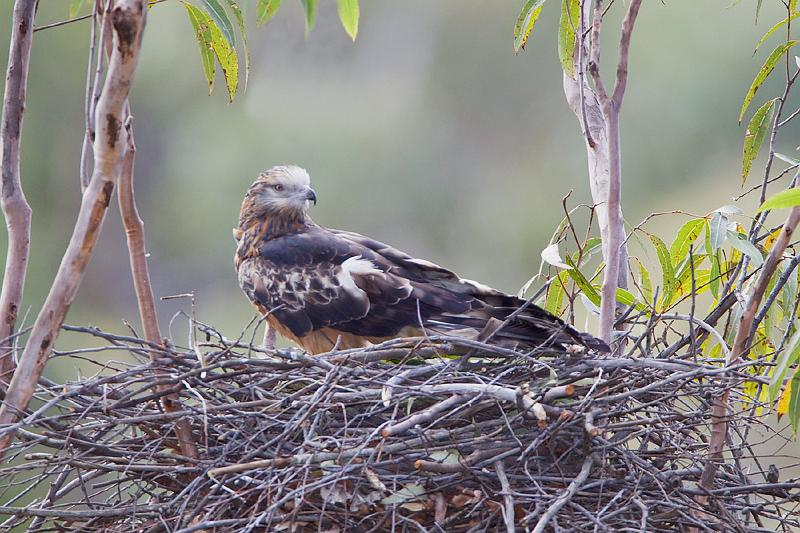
323 288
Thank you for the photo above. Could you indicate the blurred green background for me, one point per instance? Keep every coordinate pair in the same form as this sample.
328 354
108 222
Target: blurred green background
427 132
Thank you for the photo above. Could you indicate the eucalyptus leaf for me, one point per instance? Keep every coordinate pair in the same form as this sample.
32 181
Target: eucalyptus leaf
765 71
310 10
237 13
220 16
717 229
567 29
754 136
740 242
683 241
348 15
75 7
667 270
791 160
775 28
200 23
525 21
265 10
782 200
551 256
409 492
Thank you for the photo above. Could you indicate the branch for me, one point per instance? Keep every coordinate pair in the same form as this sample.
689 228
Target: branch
134 232
15 207
128 20
719 419
566 496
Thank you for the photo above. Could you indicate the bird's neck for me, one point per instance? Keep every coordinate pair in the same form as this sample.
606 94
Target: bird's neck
256 228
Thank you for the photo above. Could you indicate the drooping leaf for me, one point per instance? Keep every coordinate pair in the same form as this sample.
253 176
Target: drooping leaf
627 299
717 228
791 160
683 278
792 6
765 71
567 30
755 134
237 13
667 270
220 16
583 284
227 58
647 285
555 293
786 359
714 275
783 403
348 15
551 256
265 10
758 9
75 7
200 23
525 21
775 28
683 241
794 401
741 243
729 210
310 10
782 200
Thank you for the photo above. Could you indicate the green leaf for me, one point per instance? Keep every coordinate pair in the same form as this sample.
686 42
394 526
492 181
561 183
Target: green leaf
758 9
567 28
647 285
200 23
765 71
755 134
226 56
686 236
716 230
219 16
555 293
740 242
348 14
792 6
582 283
525 21
667 270
627 299
775 28
794 401
237 13
310 9
75 7
791 160
683 279
265 10
714 276
782 200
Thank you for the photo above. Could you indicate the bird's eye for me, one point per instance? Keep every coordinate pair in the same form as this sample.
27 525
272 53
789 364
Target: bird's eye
278 188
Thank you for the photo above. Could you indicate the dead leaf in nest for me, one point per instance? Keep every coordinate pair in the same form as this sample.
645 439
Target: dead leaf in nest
411 491
333 494
414 506
494 507
467 497
374 480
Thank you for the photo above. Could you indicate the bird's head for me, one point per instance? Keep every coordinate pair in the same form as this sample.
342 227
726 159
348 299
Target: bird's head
282 191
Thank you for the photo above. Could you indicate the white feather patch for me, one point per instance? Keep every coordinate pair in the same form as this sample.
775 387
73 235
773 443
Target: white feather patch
354 266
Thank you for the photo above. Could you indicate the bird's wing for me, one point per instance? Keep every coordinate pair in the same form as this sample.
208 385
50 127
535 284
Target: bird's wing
320 279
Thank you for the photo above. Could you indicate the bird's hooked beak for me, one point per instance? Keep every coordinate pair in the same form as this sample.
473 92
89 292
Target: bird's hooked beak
311 195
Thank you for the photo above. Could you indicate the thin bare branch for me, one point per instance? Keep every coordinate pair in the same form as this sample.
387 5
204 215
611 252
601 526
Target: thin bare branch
15 206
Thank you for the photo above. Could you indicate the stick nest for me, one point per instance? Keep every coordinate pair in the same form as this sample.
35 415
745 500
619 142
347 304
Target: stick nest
399 437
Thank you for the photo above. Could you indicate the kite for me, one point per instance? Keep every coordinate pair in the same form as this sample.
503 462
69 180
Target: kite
327 289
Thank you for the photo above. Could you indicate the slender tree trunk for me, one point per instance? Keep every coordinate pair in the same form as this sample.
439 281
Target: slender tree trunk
127 20
15 207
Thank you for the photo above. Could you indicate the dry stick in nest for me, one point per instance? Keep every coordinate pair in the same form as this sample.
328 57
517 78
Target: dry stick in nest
134 232
719 413
15 207
128 21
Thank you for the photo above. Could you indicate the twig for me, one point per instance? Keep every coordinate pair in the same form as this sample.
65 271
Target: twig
134 232
508 497
566 496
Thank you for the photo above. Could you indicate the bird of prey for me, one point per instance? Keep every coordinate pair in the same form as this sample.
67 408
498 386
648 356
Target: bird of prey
324 288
